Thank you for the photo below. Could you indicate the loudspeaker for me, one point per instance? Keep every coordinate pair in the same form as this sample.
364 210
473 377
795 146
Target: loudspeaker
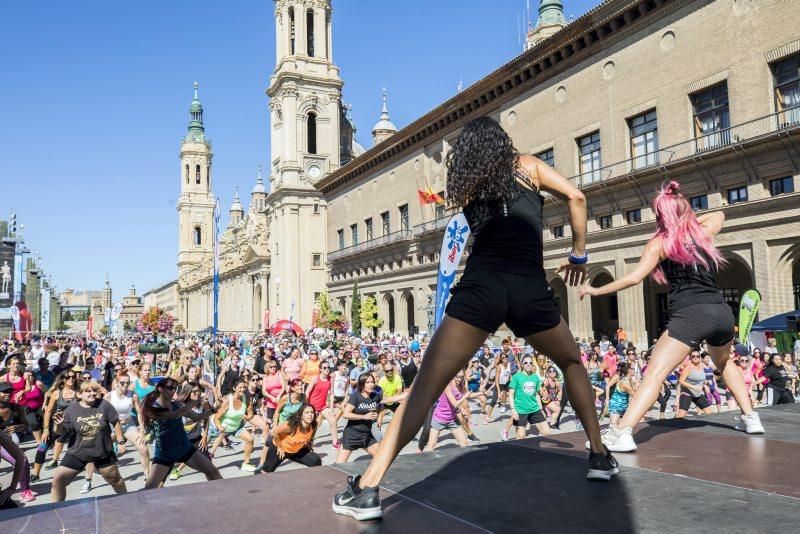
793 323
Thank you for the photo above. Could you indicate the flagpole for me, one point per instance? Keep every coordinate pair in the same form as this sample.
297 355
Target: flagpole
216 270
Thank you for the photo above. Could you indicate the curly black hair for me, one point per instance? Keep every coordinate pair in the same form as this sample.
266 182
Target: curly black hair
482 166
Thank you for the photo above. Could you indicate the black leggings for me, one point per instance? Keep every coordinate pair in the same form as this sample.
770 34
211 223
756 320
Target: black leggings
304 456
564 401
778 396
41 455
663 399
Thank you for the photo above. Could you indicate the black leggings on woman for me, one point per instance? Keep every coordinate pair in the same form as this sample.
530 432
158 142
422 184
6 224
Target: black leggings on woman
304 456
663 398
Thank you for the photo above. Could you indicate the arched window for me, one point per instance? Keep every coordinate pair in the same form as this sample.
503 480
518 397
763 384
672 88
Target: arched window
291 30
312 133
208 175
198 236
310 32
187 173
197 174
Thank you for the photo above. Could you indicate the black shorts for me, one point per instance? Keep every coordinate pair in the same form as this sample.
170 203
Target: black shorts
180 459
487 299
71 462
693 324
532 418
391 407
34 419
686 399
353 439
338 400
503 387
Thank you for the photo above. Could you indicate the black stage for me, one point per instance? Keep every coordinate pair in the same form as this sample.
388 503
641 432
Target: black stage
693 475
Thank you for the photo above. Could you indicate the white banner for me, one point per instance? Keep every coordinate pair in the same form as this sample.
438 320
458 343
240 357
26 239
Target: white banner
44 315
116 310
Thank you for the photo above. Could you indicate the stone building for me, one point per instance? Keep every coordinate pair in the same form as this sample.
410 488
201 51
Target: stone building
628 95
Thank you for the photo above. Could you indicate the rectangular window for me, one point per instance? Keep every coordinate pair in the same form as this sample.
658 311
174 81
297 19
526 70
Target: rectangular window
644 139
368 226
737 194
316 296
385 222
699 202
711 117
316 260
439 209
316 208
589 163
633 216
558 231
604 221
547 156
797 296
731 296
354 233
403 217
787 90
780 186
340 237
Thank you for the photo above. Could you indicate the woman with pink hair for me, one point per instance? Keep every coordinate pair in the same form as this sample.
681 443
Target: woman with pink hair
682 255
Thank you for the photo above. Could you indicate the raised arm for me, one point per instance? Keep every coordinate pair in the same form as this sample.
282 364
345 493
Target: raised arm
712 222
647 263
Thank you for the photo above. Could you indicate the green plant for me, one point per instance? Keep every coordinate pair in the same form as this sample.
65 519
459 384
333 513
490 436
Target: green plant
355 310
369 314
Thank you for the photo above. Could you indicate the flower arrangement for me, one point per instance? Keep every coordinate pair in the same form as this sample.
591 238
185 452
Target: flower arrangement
155 321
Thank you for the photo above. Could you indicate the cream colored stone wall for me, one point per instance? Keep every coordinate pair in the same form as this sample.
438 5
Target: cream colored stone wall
696 46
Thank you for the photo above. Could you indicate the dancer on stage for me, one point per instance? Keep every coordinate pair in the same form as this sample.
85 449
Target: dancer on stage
681 254
504 282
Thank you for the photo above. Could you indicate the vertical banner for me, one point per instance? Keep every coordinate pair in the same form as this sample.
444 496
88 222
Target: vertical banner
455 239
748 309
107 317
116 311
314 317
89 325
265 323
44 315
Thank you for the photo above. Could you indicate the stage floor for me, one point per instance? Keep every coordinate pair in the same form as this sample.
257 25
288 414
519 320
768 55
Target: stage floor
691 475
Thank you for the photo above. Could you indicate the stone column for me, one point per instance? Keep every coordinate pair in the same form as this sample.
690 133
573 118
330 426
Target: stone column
280 30
580 314
320 33
400 313
300 29
290 119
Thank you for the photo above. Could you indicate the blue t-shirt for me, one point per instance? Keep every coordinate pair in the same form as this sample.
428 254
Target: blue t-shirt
169 437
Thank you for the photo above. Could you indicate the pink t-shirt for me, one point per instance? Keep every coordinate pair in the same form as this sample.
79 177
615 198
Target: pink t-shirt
612 361
292 367
33 399
272 385
444 412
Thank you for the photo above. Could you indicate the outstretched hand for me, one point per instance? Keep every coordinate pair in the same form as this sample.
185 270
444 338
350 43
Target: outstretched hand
587 290
574 275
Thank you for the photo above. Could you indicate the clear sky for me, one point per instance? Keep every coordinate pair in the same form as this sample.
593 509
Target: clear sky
94 100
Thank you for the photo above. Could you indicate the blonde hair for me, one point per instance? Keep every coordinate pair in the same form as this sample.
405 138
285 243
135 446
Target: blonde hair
90 384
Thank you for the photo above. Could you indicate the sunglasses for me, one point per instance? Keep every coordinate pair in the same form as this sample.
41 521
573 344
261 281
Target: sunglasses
255 379
527 363
124 383
86 377
324 367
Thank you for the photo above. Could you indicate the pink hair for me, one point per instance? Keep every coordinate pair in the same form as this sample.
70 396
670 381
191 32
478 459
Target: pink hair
683 239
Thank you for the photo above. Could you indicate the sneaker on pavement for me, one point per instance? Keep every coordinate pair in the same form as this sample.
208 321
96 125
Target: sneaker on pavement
51 465
752 423
175 475
617 439
503 409
27 495
504 434
250 468
602 466
87 487
361 504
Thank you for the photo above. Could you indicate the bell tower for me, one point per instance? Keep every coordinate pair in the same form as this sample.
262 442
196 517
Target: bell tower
196 202
305 115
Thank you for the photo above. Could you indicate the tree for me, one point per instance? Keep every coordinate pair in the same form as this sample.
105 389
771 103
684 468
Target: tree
328 317
355 310
369 314
67 316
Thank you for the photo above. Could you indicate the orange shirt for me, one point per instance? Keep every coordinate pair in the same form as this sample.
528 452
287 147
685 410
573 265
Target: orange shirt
310 370
294 442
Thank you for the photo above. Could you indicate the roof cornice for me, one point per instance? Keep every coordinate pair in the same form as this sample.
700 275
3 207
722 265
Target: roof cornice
586 36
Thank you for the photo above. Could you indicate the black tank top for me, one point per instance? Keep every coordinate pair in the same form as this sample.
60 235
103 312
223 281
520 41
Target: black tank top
508 238
691 284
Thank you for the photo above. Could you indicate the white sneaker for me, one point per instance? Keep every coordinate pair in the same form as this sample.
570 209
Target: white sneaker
617 439
503 409
87 487
752 423
504 434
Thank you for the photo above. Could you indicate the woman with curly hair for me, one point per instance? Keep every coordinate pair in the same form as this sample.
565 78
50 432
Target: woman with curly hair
292 440
682 255
504 282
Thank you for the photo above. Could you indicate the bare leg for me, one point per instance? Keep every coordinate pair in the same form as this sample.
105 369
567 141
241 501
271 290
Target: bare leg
61 479
433 439
111 475
667 354
559 344
732 376
452 345
249 440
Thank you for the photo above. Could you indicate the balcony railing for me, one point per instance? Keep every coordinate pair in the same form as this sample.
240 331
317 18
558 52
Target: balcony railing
704 144
384 240
434 225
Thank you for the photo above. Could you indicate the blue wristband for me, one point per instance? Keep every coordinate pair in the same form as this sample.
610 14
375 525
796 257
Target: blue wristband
579 260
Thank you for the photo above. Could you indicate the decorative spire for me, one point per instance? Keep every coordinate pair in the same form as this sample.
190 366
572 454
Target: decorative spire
259 187
384 127
108 284
196 130
237 205
551 12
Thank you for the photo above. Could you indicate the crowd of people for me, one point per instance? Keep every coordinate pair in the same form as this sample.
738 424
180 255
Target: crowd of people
100 398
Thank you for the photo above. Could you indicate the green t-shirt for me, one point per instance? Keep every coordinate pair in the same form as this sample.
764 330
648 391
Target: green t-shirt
526 389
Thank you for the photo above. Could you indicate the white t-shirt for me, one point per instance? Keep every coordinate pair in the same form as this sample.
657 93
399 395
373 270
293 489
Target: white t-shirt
53 358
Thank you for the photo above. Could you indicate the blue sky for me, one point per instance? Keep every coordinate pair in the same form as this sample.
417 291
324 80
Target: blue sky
94 100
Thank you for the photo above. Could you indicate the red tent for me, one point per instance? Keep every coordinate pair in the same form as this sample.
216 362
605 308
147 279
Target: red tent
285 325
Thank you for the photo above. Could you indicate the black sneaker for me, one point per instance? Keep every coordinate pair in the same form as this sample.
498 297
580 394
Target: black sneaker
602 466
359 503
